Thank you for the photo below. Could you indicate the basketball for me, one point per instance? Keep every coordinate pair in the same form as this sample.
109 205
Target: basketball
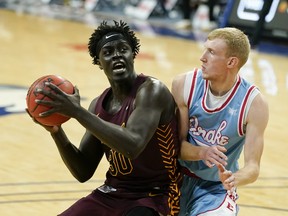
35 109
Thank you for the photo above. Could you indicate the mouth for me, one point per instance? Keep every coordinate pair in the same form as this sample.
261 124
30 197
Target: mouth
118 67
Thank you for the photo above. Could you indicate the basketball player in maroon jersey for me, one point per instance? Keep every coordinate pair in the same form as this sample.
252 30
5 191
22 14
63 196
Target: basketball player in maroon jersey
132 122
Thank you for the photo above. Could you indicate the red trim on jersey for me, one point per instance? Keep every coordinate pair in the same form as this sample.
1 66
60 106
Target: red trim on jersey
231 95
242 111
192 89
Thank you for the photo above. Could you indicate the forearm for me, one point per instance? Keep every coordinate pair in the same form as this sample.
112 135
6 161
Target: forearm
110 134
211 155
190 152
71 156
246 175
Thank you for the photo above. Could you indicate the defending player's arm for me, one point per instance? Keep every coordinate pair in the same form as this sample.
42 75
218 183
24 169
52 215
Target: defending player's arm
211 155
257 121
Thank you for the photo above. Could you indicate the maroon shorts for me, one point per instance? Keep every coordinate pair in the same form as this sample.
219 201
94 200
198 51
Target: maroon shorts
116 204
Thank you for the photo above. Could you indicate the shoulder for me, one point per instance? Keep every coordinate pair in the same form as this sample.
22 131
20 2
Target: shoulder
178 84
92 105
260 102
180 79
154 85
154 91
156 97
259 111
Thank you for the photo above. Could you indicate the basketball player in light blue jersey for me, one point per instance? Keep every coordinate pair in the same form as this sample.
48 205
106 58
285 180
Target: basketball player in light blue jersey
220 114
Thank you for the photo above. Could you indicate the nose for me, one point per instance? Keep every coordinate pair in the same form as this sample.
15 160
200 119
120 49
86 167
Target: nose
202 59
117 53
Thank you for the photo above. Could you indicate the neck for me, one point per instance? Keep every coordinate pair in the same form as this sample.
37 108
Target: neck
222 88
122 88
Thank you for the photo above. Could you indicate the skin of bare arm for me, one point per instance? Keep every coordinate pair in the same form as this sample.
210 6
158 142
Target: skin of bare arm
154 103
152 106
257 121
83 161
132 122
140 126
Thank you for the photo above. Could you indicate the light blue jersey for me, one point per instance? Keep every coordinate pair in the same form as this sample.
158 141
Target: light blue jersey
213 121
222 125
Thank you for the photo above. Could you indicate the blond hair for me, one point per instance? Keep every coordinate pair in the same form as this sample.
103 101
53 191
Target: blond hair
237 42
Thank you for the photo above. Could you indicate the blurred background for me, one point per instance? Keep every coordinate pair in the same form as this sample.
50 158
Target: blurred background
50 37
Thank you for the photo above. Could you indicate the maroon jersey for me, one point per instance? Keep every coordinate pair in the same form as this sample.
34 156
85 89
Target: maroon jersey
155 171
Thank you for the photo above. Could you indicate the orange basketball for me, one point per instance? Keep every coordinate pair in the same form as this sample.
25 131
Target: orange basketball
35 109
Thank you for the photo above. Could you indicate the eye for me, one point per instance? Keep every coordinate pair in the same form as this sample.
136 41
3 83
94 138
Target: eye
124 49
106 52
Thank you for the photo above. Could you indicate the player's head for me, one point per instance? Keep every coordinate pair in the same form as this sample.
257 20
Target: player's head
108 32
237 42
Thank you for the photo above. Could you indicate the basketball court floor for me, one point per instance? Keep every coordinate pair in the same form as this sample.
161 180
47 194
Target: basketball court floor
33 178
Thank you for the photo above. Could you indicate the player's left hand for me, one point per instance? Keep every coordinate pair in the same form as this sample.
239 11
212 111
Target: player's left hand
226 177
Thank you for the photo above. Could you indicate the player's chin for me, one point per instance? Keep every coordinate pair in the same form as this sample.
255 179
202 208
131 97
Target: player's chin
205 76
120 74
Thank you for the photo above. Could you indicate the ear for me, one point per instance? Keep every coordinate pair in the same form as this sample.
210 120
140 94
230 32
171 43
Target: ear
232 62
98 63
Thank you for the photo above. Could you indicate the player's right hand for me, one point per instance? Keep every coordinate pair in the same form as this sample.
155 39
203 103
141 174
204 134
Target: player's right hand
214 155
51 129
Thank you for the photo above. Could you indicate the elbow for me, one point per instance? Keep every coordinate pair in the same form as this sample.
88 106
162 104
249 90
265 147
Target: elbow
133 154
81 180
135 151
82 177
134 147
255 176
251 176
255 173
251 180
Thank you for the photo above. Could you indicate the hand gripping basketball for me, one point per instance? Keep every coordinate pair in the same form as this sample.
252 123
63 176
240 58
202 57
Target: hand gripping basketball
35 109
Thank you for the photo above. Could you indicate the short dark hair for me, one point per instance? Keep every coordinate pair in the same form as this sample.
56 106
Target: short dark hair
118 27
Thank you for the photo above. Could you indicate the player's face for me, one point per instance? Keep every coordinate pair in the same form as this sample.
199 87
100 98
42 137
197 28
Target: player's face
214 59
116 58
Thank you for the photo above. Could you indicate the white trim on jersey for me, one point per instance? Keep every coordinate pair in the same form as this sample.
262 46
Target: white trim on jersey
244 109
189 87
